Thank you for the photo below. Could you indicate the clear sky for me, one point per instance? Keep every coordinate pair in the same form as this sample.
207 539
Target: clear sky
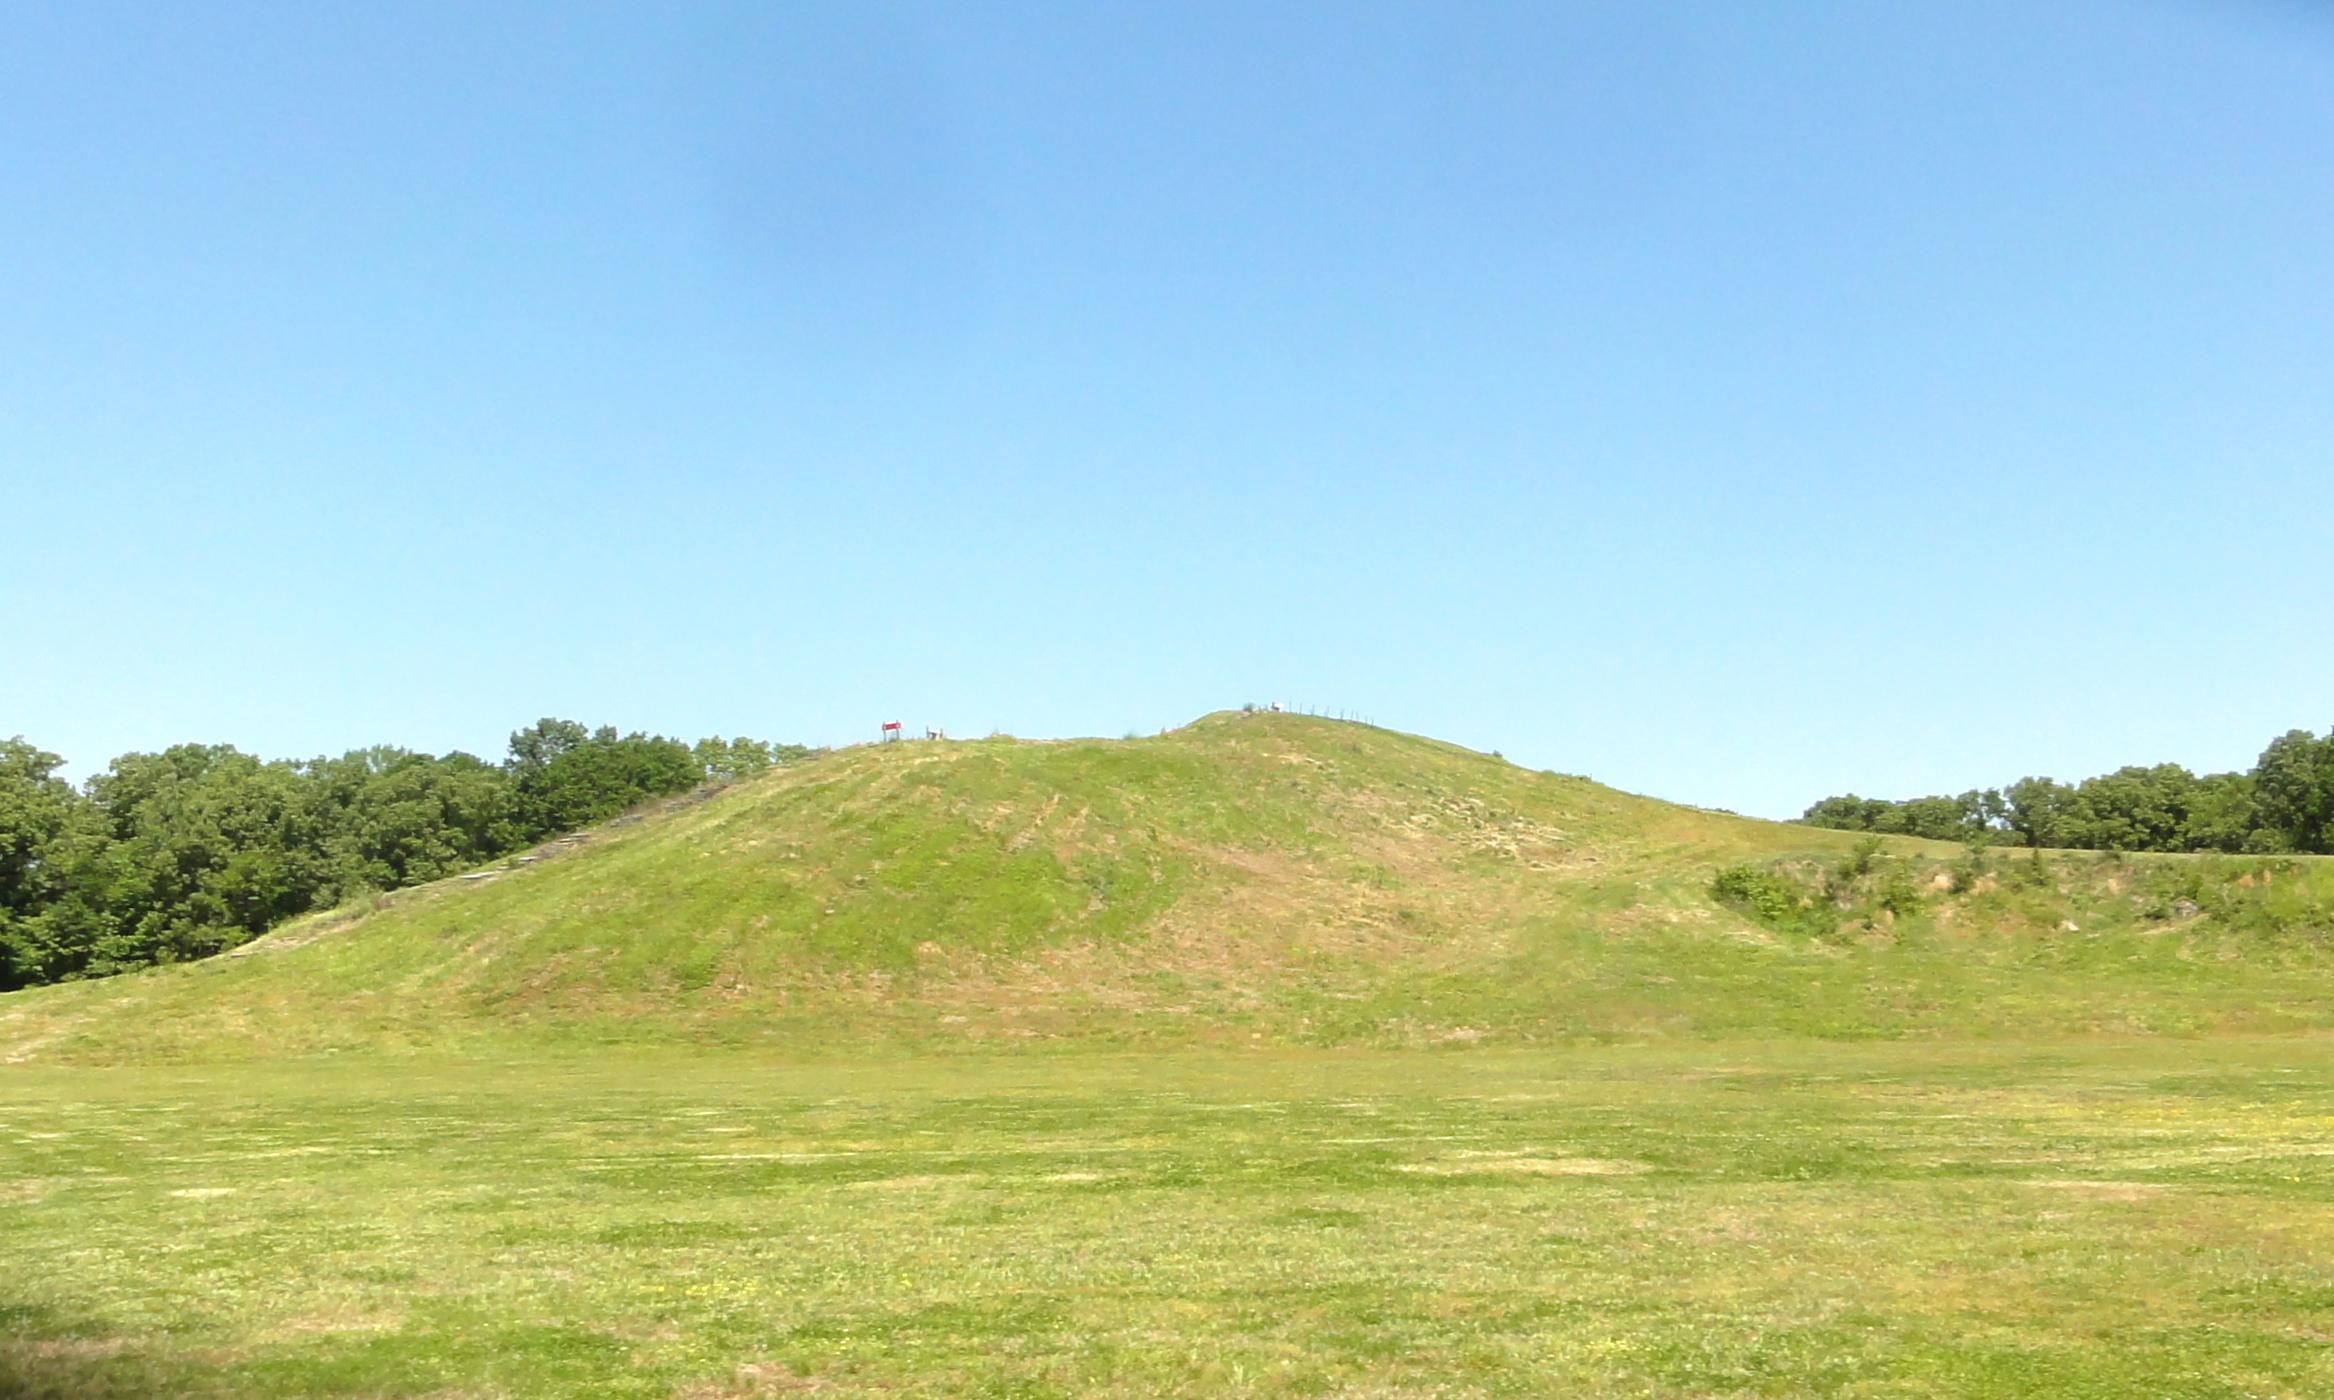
1734 403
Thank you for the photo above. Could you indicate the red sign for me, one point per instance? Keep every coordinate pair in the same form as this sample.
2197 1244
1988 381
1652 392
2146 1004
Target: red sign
889 725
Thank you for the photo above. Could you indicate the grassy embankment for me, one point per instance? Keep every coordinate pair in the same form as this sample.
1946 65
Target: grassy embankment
1249 879
1267 1057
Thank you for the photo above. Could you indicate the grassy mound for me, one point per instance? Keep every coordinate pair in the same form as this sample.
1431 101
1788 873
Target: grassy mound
1250 878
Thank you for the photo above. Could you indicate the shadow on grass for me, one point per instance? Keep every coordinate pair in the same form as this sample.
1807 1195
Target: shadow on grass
44 1356
49 1355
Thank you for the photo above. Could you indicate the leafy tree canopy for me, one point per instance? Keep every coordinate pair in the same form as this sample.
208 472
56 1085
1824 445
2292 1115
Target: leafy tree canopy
2285 803
179 854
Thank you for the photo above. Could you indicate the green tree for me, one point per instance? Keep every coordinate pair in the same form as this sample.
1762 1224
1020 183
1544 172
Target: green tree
52 846
721 759
2135 809
2293 792
533 748
1846 813
179 854
592 779
210 846
2221 813
2042 811
36 808
1972 816
400 818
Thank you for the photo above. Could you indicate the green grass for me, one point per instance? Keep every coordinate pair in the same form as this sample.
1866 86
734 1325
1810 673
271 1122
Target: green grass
2091 1218
1247 880
1272 1056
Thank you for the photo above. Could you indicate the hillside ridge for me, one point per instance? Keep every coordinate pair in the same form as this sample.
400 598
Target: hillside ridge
1246 879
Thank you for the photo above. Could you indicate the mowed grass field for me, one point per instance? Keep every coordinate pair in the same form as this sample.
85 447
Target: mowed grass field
2088 1217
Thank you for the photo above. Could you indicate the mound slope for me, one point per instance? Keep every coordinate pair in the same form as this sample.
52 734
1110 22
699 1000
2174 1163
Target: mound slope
1250 878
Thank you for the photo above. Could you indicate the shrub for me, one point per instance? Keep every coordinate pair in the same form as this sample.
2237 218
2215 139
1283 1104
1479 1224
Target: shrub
1771 899
1899 895
1971 869
2031 873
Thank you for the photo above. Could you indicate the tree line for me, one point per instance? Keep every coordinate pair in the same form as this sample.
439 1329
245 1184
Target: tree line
175 855
2283 804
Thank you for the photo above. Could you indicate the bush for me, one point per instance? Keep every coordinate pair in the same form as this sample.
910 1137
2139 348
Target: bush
1771 899
2273 898
1862 858
1971 869
1900 896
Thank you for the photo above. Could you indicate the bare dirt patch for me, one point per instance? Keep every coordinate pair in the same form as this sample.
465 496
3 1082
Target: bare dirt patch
1517 1164
760 1378
2107 1190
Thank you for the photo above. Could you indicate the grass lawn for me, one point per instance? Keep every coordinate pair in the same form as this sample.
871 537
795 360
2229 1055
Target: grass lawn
2093 1217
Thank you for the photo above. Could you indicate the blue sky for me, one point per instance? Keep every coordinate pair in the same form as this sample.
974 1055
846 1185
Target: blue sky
1734 403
